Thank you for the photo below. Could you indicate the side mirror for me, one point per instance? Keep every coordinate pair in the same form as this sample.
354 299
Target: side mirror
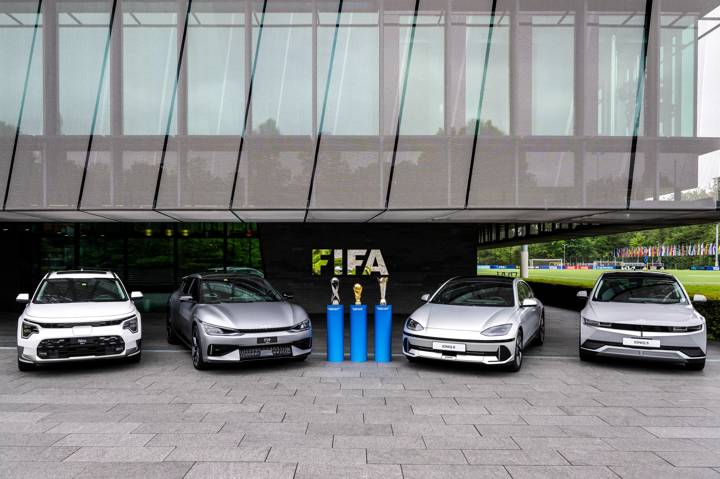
136 295
582 294
698 298
288 296
186 299
23 298
425 297
529 303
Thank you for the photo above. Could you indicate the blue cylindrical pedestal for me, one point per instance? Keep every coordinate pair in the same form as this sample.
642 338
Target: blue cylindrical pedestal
383 333
358 333
335 333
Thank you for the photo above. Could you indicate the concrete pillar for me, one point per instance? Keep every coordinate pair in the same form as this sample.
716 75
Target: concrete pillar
524 260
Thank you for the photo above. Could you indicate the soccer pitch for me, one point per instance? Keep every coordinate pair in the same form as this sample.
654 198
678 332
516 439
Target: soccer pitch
696 282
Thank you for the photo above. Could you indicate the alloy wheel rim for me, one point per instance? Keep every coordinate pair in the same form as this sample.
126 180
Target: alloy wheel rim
518 350
195 350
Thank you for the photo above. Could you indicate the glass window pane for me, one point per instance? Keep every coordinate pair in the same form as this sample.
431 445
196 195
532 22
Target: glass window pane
677 75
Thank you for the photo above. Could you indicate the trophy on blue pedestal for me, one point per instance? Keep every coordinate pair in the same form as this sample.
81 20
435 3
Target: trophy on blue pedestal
358 327
335 324
383 325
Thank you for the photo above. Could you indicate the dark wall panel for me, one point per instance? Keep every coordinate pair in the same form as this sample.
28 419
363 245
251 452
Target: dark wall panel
418 256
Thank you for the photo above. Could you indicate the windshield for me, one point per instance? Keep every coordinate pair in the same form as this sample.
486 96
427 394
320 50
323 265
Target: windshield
476 293
238 290
637 289
80 290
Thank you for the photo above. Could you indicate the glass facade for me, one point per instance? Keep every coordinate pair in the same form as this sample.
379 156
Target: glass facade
359 110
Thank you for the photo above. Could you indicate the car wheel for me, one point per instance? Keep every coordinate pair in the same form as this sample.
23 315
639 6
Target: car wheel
516 363
171 336
196 351
23 366
695 364
540 336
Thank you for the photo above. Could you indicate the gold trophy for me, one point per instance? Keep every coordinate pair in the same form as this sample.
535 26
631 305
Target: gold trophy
335 287
382 282
357 289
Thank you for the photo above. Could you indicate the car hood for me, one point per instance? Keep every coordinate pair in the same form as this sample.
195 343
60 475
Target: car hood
265 315
463 318
642 314
79 312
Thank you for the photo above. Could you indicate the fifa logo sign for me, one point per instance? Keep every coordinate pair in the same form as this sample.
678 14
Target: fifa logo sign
348 262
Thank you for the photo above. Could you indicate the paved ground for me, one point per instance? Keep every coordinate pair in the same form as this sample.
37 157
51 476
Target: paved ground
556 418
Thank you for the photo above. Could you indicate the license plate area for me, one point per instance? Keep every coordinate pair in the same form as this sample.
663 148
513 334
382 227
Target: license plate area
450 347
267 340
641 342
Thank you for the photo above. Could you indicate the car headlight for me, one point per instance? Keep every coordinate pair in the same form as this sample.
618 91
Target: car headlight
688 329
597 324
303 326
28 329
413 325
131 325
499 330
213 330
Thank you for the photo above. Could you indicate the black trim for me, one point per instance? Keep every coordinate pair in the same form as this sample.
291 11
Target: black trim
172 106
593 346
247 106
473 341
639 99
324 107
104 67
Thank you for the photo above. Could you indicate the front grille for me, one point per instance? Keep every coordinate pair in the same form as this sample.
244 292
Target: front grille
649 328
266 330
692 352
63 348
454 353
252 352
303 343
96 324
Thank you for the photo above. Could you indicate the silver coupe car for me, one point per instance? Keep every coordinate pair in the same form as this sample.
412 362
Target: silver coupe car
642 315
487 320
236 317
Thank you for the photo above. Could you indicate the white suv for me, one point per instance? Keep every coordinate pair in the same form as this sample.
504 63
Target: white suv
78 315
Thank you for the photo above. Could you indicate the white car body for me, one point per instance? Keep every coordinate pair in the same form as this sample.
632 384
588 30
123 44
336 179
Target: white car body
643 330
455 332
78 331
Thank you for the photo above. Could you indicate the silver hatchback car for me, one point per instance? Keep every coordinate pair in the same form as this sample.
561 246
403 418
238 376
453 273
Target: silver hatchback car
642 315
228 318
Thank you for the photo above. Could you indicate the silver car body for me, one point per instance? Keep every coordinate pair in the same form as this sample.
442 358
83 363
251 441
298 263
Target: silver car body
254 330
455 332
650 331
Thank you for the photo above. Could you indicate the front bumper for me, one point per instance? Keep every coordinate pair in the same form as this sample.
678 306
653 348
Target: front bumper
255 346
681 347
476 351
59 345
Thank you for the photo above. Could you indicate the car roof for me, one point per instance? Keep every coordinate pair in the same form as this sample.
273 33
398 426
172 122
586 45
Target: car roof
638 274
81 273
484 278
222 275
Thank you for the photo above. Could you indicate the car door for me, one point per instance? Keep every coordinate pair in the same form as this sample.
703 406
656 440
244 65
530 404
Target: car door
185 309
526 315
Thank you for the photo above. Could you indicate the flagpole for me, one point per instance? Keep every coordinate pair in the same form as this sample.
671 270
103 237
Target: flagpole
717 233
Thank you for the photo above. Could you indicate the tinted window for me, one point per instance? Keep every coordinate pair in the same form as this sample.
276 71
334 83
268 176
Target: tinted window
639 289
75 290
476 293
238 290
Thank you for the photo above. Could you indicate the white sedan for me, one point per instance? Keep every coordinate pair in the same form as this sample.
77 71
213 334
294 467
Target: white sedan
487 320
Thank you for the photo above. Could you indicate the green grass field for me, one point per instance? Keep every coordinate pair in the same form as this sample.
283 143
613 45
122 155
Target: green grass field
696 282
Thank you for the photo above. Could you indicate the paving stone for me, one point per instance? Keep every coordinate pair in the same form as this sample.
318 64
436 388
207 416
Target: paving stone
29 439
144 470
120 454
539 457
415 456
94 427
307 455
692 458
606 431
381 442
520 430
39 470
580 457
218 453
469 442
367 471
564 421
652 444
668 472
354 429
287 439
485 419
560 472
35 453
685 432
195 439
450 471
177 427
101 439
433 429
245 470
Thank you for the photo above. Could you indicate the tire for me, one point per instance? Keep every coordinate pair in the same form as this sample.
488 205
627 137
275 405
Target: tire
171 336
196 351
25 367
516 363
540 336
695 364
134 359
